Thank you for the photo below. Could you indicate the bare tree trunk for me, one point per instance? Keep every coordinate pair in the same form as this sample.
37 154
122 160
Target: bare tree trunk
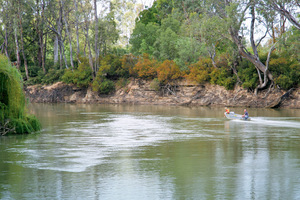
60 41
58 36
282 24
55 49
89 46
17 49
22 45
37 27
45 50
63 52
42 37
254 59
60 56
6 43
212 55
6 26
280 7
40 33
273 33
84 48
77 30
96 36
68 33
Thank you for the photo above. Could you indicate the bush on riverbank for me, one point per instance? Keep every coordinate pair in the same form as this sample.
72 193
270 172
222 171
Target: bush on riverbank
13 115
113 69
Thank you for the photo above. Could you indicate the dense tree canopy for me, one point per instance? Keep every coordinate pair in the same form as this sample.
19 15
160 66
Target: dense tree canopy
253 43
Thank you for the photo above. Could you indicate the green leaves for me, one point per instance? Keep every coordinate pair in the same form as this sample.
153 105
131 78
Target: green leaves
13 116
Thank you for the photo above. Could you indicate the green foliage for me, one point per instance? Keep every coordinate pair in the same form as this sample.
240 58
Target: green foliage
121 83
12 101
181 31
68 76
25 125
128 62
166 45
143 38
286 72
171 23
52 76
188 51
81 77
33 70
111 67
149 15
155 84
223 76
289 44
284 81
103 85
248 75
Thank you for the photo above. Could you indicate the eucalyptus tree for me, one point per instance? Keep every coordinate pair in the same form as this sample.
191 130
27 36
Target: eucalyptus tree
287 8
77 29
87 9
66 8
108 33
231 16
19 7
6 25
54 20
96 36
38 12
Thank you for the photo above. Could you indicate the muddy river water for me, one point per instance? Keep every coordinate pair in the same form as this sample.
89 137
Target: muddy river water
152 152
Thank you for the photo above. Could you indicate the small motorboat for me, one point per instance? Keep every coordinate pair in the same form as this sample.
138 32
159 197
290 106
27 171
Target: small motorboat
232 115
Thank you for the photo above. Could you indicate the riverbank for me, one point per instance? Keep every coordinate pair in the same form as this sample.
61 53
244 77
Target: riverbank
139 91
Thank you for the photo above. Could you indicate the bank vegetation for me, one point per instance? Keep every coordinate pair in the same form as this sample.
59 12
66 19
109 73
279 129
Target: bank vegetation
253 44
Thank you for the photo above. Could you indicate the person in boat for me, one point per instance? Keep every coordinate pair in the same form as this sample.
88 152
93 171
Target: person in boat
246 114
227 110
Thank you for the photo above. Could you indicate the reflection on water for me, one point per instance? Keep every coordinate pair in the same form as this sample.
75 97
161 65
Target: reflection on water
152 152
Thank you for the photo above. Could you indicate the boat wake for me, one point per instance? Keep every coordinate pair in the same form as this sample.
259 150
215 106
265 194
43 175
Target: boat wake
276 122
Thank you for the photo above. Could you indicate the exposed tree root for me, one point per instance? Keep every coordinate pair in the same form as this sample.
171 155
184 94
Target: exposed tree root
278 101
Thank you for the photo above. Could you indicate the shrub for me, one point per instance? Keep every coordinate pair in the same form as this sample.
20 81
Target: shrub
248 75
13 114
122 82
33 70
111 67
103 85
155 84
81 76
168 71
295 72
146 67
286 72
52 76
128 62
199 72
284 81
68 76
224 77
279 66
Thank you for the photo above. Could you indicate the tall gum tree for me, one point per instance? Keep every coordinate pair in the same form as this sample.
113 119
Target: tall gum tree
288 8
233 14
19 11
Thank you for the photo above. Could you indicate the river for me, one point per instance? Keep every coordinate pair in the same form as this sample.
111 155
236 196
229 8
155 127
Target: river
138 152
